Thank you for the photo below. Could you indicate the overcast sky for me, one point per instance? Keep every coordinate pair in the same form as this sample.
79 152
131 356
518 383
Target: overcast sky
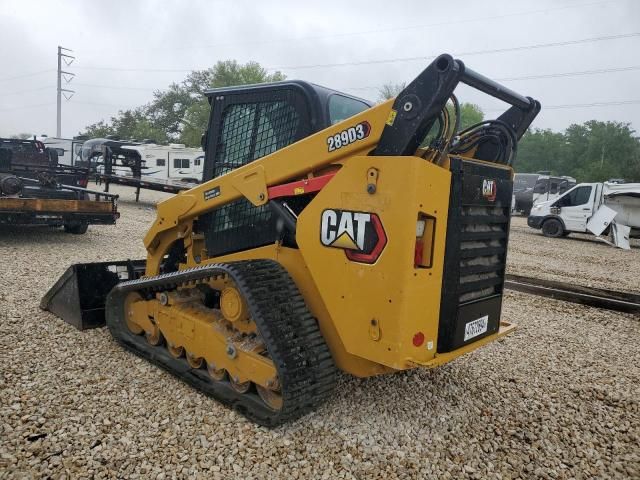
126 49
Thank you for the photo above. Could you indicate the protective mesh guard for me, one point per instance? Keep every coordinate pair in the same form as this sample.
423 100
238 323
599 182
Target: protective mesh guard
249 131
253 130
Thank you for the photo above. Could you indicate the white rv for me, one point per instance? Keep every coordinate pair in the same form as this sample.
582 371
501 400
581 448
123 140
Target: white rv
591 208
151 161
173 161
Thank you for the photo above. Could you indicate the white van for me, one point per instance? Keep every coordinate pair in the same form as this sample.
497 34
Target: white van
589 207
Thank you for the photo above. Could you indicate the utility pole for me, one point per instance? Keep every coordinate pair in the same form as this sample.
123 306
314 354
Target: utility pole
68 60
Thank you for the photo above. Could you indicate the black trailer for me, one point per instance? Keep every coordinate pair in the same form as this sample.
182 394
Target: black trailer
108 159
54 195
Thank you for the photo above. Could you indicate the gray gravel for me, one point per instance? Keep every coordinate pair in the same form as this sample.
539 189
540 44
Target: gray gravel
558 399
578 258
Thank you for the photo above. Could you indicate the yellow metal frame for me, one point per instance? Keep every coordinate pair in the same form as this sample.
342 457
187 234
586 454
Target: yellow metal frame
203 334
368 314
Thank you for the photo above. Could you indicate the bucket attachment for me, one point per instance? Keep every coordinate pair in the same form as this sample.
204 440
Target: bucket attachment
79 295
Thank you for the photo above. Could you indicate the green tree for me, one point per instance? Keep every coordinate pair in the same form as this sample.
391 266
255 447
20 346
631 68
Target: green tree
591 152
181 112
127 125
541 150
470 114
223 74
390 90
602 150
195 122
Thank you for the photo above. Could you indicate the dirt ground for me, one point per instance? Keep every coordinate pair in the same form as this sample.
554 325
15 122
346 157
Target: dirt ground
560 398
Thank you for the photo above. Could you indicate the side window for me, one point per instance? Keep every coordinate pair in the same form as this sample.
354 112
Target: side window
541 186
180 163
582 195
341 108
160 162
196 161
577 196
564 186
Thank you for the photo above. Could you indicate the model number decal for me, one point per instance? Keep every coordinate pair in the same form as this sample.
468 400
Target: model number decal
348 136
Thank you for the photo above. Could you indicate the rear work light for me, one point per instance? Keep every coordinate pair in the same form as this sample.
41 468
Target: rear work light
425 232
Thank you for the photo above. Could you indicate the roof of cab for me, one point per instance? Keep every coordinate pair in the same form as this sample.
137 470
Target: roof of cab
308 87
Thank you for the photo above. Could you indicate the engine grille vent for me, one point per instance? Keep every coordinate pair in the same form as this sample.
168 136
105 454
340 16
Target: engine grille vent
476 250
483 249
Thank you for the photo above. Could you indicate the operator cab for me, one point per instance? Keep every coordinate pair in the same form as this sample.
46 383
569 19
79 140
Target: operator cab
249 122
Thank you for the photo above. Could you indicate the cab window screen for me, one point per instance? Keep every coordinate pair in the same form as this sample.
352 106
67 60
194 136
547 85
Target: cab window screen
249 131
341 107
253 130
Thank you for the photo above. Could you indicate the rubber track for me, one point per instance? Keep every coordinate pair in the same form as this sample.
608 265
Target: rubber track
305 367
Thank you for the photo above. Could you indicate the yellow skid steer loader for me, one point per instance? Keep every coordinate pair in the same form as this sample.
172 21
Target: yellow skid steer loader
328 234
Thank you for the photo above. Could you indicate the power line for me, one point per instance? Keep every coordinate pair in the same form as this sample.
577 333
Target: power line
571 74
18 92
32 74
102 105
116 87
462 54
381 30
575 105
24 107
372 87
152 70
390 60
544 107
595 104
376 87
536 77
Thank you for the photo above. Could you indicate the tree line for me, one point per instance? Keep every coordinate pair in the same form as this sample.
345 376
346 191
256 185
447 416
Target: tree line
180 113
592 151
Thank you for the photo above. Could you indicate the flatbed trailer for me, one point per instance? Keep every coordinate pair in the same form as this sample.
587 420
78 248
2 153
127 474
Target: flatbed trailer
64 206
40 198
157 184
57 212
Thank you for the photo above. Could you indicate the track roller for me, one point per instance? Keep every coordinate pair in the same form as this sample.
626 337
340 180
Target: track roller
174 350
261 333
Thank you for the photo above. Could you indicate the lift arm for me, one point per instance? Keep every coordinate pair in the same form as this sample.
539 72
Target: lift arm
396 127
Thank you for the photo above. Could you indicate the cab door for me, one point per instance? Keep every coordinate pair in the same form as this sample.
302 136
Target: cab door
576 207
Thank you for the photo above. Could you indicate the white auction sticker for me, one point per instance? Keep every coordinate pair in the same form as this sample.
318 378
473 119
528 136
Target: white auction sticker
476 327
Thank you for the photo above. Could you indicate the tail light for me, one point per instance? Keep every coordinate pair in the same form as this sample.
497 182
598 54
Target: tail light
425 232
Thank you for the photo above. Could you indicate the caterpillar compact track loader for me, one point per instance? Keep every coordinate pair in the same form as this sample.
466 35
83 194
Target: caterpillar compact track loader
327 234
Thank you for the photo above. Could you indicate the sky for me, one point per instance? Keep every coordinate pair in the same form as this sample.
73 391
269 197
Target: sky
580 58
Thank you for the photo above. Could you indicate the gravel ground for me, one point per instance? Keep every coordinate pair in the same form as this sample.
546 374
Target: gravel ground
557 399
578 258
